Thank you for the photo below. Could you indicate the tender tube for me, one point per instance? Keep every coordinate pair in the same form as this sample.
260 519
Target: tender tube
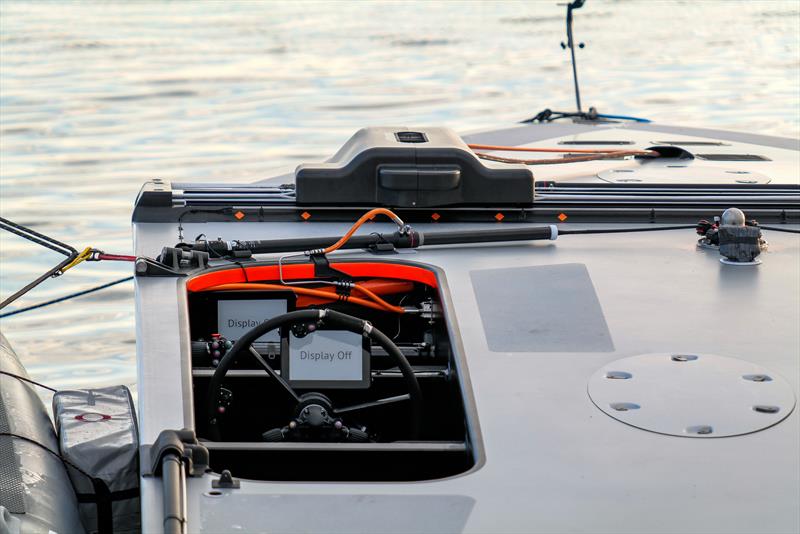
43 499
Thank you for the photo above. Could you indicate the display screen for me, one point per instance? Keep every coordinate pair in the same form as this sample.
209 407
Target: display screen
328 358
237 317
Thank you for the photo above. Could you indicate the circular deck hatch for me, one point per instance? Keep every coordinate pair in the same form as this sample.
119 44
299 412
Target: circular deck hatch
691 395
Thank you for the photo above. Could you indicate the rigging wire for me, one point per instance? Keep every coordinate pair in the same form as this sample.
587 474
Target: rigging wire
66 297
73 258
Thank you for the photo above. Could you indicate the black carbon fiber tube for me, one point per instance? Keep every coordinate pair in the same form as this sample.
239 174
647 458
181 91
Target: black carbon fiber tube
524 233
413 239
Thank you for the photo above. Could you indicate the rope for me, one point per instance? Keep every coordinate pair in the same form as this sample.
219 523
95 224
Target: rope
25 379
67 297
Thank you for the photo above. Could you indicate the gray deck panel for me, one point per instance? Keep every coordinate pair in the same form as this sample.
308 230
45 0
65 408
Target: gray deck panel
554 462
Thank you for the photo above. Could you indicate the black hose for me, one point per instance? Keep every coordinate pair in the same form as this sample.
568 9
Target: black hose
779 229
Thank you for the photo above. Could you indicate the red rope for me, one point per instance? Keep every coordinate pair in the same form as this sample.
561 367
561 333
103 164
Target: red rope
115 257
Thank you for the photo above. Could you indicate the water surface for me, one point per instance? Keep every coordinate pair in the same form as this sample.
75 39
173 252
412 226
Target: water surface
96 98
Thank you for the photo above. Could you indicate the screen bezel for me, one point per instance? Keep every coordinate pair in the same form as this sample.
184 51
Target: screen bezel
205 320
366 371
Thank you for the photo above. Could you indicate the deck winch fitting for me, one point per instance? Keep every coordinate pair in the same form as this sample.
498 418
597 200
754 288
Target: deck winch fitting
738 240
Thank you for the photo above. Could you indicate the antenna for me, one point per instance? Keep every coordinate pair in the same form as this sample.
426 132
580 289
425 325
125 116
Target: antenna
576 4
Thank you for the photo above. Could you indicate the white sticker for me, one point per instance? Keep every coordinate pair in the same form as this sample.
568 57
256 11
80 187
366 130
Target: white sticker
237 317
326 355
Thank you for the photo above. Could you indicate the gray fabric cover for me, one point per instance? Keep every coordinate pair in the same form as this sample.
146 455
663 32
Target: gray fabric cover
97 432
739 243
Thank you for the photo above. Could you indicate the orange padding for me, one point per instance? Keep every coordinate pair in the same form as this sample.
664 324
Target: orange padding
305 271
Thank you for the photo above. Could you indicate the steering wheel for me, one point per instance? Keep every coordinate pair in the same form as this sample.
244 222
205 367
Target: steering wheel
314 412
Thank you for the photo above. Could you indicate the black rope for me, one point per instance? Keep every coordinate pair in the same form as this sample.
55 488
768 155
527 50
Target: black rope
657 228
67 297
25 379
779 229
625 230
36 237
45 241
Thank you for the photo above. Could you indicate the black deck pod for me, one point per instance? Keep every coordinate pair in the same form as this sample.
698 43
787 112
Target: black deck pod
411 168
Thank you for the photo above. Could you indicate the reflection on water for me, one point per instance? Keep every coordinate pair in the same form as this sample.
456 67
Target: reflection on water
95 98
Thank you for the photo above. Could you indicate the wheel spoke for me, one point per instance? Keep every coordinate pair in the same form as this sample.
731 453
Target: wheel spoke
268 368
373 404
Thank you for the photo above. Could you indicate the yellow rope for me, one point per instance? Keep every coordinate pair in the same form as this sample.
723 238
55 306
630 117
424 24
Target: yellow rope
84 255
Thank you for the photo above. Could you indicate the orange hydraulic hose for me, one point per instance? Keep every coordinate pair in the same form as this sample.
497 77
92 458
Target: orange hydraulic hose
364 218
379 304
378 285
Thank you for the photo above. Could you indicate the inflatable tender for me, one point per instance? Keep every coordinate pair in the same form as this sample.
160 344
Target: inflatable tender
82 475
36 494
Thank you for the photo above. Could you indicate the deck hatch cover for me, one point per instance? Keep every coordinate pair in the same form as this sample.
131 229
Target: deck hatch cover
692 395
535 309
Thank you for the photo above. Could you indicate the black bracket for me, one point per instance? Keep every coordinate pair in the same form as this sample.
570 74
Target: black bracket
381 246
182 443
226 481
178 258
323 269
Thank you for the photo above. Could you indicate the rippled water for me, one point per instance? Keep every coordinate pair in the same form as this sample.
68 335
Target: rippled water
97 98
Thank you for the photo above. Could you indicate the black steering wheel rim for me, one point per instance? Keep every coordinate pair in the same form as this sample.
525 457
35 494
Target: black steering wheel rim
330 318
